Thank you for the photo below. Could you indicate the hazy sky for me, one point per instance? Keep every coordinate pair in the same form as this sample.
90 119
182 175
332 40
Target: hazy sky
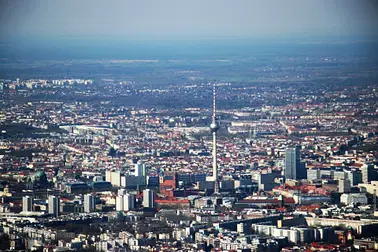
188 18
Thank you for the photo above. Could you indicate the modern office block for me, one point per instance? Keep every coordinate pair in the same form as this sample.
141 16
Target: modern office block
140 169
294 169
89 203
148 198
128 202
54 205
27 204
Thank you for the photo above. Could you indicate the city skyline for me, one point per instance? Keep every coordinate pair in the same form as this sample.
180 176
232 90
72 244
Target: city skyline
188 125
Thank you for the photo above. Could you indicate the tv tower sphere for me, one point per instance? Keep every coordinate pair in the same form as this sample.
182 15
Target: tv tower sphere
214 127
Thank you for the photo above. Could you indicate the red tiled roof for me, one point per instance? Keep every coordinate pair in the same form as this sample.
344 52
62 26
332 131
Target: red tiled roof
171 201
289 200
273 201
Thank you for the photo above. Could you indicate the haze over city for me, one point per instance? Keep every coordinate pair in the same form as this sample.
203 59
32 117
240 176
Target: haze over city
174 19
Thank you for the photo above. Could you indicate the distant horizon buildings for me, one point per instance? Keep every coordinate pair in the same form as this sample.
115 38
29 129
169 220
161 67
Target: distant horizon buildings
294 168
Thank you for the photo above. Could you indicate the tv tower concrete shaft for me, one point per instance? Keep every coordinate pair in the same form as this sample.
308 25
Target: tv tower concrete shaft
214 127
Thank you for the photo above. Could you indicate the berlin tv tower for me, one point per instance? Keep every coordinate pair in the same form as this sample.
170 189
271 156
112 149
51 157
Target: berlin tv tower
214 127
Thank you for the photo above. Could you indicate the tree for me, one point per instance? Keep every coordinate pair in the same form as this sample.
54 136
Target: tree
4 242
90 249
112 152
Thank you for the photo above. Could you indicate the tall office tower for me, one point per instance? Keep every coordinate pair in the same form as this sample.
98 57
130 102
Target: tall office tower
89 203
27 204
148 198
294 169
344 186
108 176
354 176
214 127
119 203
368 173
128 202
54 205
140 169
116 178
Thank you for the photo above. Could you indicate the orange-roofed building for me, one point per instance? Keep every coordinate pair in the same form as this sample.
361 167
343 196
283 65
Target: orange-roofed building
310 208
163 203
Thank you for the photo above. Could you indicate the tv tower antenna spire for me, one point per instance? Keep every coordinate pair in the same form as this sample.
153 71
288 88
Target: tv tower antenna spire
214 103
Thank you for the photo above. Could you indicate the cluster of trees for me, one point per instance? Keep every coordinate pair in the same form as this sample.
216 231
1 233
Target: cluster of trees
4 242
82 228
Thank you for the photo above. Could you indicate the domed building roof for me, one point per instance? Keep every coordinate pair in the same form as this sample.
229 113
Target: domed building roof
40 174
40 177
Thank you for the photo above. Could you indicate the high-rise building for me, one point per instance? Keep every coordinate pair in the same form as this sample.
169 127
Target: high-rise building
108 176
124 201
27 204
344 186
148 198
54 205
119 199
89 203
368 173
140 169
128 202
119 203
294 169
113 177
292 160
354 176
